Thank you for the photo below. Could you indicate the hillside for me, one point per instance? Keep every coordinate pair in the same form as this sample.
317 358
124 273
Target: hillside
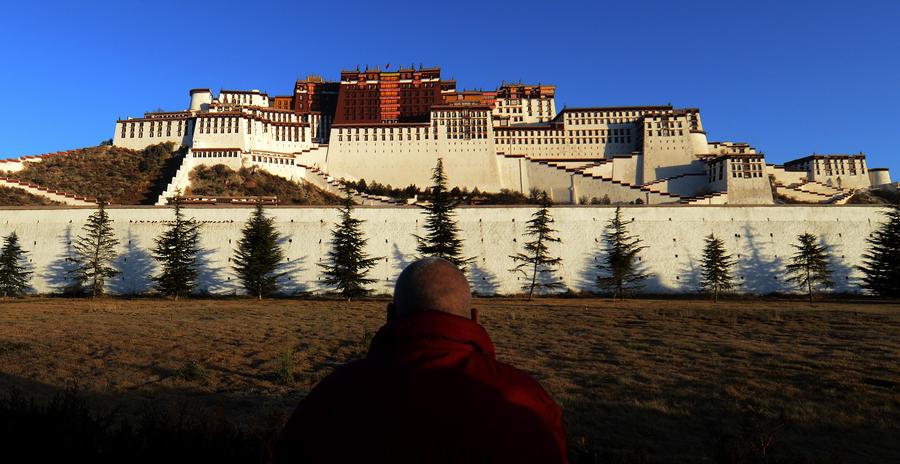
874 197
17 197
121 175
220 180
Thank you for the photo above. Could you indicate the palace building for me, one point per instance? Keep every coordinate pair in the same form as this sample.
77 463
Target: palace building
393 126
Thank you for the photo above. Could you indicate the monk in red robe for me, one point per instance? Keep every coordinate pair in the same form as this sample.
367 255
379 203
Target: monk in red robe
429 391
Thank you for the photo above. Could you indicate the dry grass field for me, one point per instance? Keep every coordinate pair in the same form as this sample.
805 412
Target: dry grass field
639 381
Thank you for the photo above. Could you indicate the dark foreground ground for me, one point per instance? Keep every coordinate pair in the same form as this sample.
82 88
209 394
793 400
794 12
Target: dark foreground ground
639 381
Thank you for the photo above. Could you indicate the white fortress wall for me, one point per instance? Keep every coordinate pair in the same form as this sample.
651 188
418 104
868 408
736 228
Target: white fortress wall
136 134
401 162
879 176
314 156
625 168
556 182
514 173
278 165
760 238
685 185
784 176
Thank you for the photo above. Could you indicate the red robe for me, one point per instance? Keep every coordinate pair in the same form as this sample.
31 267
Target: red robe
430 391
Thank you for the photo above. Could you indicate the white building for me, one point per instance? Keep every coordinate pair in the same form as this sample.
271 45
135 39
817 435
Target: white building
509 139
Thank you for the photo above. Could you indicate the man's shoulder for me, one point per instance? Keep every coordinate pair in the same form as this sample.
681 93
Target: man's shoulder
346 375
519 386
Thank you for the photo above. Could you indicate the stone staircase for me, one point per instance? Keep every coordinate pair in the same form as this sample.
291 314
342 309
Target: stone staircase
688 182
601 181
329 184
54 195
17 164
813 192
179 181
715 198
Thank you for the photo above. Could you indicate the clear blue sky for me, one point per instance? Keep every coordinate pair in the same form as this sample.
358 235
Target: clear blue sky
789 77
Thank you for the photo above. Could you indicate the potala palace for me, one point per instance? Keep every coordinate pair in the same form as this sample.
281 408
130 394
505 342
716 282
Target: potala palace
392 126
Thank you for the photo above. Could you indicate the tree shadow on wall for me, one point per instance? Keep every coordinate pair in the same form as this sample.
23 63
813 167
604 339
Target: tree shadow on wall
756 273
689 277
211 279
842 274
483 282
59 273
136 267
27 263
587 277
401 260
290 283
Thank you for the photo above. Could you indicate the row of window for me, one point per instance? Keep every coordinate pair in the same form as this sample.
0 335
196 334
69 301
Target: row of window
603 132
604 114
155 128
599 121
665 124
740 168
746 168
272 160
666 133
240 98
561 140
275 116
384 137
216 154
231 126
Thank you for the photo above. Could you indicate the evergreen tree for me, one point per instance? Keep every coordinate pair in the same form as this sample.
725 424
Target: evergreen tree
95 251
176 250
258 255
620 270
881 262
716 265
348 263
13 275
442 239
536 260
809 266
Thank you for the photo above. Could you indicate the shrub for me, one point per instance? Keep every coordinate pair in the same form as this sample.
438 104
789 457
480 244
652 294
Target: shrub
7 347
192 372
285 373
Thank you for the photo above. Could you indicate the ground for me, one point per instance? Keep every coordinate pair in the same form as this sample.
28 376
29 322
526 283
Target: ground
639 381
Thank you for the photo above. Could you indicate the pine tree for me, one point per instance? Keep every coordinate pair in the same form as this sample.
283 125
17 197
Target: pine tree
258 255
881 262
442 240
13 274
348 263
95 251
809 266
536 260
620 270
176 250
716 265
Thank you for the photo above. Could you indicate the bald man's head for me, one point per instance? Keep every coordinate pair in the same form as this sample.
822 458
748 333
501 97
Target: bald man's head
431 284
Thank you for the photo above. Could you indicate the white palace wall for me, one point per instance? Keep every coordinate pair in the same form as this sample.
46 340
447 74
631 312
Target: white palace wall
760 237
399 163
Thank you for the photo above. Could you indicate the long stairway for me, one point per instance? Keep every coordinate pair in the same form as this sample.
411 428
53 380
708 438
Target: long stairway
50 194
813 192
600 178
179 181
329 184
